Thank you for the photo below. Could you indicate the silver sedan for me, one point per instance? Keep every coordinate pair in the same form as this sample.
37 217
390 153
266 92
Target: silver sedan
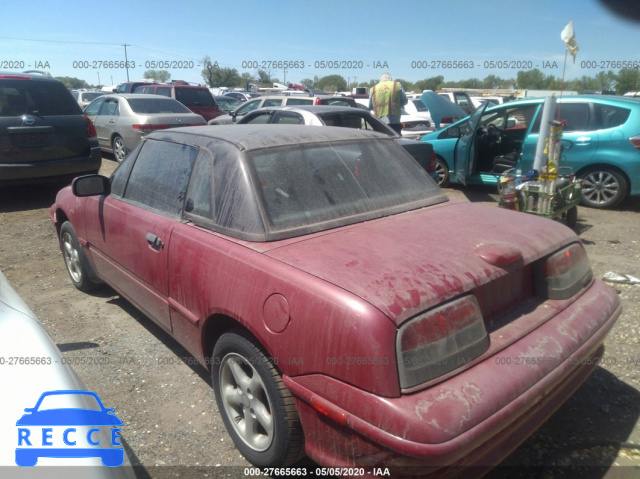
122 120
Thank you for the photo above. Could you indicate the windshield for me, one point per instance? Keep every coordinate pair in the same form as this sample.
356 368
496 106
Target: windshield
340 183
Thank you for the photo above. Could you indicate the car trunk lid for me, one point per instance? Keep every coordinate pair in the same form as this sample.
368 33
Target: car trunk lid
31 138
407 263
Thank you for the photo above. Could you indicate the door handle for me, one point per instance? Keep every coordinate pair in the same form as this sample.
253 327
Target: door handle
154 241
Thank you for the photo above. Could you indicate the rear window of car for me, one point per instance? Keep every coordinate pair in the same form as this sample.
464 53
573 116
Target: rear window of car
338 102
299 101
91 95
157 105
43 98
311 185
195 96
419 105
347 120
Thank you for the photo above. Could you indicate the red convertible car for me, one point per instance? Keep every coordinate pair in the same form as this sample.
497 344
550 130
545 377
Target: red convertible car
346 309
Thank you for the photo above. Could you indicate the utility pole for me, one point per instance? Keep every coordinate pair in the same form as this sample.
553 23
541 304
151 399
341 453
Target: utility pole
98 78
126 60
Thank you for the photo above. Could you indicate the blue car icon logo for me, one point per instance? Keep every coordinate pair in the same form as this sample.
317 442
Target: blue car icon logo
65 431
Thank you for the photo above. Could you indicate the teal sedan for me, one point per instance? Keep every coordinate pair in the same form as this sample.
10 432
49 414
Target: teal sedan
601 141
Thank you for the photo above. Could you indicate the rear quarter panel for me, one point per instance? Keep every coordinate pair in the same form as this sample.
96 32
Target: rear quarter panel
320 328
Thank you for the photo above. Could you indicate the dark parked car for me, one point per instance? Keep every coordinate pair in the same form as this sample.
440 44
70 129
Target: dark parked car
43 134
198 99
130 86
345 308
346 117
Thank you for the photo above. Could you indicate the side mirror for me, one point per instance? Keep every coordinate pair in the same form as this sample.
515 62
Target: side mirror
91 185
454 132
511 122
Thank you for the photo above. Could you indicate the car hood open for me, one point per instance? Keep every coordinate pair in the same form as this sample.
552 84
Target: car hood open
406 263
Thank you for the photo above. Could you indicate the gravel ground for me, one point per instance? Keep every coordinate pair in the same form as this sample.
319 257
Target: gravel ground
164 398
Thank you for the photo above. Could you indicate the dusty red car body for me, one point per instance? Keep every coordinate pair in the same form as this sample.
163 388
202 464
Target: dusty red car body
327 307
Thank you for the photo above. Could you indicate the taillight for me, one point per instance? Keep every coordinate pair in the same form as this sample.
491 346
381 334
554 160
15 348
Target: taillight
316 101
446 119
149 128
15 77
635 141
432 163
91 129
564 273
440 340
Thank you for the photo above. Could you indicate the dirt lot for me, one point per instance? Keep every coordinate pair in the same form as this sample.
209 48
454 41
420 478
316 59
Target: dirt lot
171 424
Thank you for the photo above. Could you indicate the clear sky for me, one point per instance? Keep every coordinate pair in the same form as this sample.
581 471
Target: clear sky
411 39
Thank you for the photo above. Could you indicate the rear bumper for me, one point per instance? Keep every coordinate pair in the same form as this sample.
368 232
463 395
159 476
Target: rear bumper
52 170
474 419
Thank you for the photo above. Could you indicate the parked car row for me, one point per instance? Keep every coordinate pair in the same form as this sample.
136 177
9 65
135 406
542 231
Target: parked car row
344 117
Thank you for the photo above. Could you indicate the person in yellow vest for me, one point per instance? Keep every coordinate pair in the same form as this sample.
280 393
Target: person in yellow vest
386 99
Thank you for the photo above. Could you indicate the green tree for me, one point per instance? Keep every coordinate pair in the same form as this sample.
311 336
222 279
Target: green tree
406 85
308 82
73 83
627 79
492 81
532 79
332 83
215 76
264 77
158 76
432 83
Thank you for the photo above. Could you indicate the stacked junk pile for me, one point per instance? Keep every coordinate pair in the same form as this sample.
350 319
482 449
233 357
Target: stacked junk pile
550 189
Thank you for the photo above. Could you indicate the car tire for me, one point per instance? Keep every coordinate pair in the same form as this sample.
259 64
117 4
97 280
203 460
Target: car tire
603 187
119 148
78 267
257 409
442 171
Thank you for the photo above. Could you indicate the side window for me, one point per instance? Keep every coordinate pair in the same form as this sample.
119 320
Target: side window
576 116
93 108
300 101
200 197
160 176
247 107
289 119
121 175
164 91
221 194
110 107
272 102
259 118
612 116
